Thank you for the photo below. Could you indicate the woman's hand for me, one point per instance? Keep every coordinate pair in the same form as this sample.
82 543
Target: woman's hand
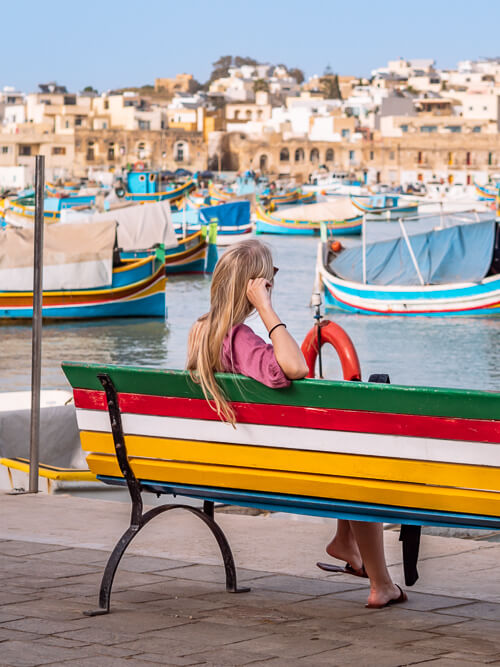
259 293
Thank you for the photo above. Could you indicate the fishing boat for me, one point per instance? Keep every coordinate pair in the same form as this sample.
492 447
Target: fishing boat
143 186
384 206
271 198
196 253
79 278
23 208
232 220
219 195
307 220
149 228
451 271
486 194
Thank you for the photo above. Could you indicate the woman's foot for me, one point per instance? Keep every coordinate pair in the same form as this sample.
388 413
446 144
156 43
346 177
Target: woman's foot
346 550
386 596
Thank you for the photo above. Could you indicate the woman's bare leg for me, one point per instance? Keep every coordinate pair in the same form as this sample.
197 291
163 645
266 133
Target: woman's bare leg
344 545
370 539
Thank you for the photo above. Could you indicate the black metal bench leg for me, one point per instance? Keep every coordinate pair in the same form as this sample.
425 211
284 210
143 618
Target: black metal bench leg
410 537
139 519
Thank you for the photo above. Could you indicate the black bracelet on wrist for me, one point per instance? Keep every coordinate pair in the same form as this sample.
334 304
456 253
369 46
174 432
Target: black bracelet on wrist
280 324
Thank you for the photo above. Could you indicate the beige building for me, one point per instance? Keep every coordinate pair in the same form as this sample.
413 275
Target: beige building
182 83
114 149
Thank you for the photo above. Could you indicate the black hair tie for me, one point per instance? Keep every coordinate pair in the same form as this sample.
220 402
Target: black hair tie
280 324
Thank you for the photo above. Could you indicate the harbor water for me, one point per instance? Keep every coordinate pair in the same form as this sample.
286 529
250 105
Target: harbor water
445 352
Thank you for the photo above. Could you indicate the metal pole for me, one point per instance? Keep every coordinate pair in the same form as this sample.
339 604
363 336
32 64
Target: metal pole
363 238
410 250
36 340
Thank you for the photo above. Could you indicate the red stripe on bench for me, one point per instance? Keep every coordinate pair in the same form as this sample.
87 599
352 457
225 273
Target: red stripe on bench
447 428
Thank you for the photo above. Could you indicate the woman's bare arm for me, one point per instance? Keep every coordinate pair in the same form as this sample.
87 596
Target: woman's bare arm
287 351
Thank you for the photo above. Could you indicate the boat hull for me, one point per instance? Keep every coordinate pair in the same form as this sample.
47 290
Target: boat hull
458 300
137 290
268 224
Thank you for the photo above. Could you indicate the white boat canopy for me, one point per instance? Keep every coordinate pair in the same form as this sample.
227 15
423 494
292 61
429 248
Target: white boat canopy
78 256
140 226
340 209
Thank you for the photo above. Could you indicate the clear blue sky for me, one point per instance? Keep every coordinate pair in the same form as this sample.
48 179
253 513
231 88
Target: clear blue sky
110 44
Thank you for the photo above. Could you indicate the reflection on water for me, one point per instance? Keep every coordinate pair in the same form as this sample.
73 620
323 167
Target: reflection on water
452 352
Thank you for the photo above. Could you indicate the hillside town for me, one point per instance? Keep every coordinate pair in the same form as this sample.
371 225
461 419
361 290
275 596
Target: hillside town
408 122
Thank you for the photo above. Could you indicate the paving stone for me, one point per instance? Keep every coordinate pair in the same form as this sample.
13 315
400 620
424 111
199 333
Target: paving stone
209 634
40 569
76 555
172 660
487 610
314 587
7 634
69 609
184 588
44 626
258 598
248 615
213 574
364 656
225 656
8 615
444 644
103 661
474 629
54 640
28 653
285 646
148 564
18 548
9 597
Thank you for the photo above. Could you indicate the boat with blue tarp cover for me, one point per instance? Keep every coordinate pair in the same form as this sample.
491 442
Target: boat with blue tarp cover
447 271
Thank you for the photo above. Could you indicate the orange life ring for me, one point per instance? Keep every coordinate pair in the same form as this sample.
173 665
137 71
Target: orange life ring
139 166
336 336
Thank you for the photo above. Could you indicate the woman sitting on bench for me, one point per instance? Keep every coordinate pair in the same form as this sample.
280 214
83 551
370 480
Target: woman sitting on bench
220 341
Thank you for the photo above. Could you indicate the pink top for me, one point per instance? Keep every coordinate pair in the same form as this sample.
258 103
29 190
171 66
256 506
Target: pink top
246 353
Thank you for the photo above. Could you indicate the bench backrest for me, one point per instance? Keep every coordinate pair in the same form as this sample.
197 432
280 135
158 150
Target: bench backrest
426 449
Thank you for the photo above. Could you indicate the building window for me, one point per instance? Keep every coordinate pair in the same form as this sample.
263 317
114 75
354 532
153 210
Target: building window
90 151
5 149
453 128
144 124
352 155
69 99
249 114
330 155
58 150
263 163
284 155
391 155
25 150
299 155
372 155
476 128
345 133
180 151
106 104
404 128
467 159
78 121
66 124
419 157
314 155
236 114
111 151
428 128
490 159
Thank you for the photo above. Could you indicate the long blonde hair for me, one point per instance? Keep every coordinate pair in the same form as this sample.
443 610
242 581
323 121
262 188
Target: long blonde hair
229 306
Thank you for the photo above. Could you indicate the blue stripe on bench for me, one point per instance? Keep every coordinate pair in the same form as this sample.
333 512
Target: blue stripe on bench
317 506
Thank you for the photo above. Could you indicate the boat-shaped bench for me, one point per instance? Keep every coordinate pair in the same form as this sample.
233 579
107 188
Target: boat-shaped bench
353 450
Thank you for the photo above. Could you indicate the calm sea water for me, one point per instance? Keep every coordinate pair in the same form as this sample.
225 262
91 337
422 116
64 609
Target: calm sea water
448 352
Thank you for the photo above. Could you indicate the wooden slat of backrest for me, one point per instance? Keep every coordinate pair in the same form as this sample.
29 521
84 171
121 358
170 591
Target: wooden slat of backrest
310 485
271 458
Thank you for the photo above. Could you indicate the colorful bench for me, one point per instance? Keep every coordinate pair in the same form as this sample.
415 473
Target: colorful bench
353 450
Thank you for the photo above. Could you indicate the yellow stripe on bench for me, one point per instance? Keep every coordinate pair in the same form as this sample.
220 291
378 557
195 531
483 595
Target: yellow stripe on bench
311 485
302 461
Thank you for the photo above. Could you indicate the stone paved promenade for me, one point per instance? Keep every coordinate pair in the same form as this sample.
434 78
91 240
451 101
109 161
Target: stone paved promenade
174 611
